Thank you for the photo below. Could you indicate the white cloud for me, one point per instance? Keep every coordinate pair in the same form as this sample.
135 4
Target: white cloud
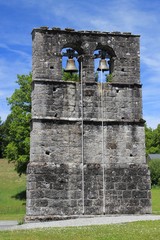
22 54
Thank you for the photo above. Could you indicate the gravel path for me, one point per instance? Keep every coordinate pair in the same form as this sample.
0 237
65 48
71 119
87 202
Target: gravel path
101 220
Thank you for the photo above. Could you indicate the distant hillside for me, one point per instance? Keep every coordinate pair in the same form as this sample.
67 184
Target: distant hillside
12 192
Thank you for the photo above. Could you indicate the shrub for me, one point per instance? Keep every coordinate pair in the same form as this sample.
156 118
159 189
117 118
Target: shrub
154 166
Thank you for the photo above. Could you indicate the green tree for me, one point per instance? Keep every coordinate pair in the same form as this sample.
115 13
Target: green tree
154 166
4 130
67 76
1 138
149 140
18 124
152 140
109 77
156 139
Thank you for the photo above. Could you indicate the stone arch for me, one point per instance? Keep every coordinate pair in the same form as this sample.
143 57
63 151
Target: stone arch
74 45
109 57
107 48
78 51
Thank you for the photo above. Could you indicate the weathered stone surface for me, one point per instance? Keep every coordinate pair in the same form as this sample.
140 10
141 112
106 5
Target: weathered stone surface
63 196
62 180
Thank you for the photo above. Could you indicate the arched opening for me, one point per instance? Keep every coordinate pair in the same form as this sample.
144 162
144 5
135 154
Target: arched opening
103 64
70 65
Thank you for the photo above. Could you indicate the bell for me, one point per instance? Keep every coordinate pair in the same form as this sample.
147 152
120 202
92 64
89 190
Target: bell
103 65
71 67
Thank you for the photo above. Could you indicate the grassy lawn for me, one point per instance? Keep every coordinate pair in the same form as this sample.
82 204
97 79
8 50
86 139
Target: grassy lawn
145 230
12 191
156 200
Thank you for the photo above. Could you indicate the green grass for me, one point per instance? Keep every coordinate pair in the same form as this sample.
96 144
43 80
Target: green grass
156 200
145 230
12 190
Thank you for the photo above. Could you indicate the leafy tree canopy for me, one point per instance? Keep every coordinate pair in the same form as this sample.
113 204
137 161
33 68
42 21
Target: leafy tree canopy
152 140
18 123
1 138
67 76
154 166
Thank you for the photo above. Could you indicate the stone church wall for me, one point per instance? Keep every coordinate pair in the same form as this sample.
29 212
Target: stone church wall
110 174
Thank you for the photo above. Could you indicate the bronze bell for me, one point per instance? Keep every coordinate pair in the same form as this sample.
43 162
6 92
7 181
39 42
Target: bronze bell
103 65
71 67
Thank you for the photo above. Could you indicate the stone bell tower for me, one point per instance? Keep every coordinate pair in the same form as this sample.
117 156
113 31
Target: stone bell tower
87 154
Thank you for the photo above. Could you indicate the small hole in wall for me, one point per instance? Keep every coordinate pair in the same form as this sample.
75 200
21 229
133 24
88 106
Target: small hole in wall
47 152
51 67
54 89
55 114
122 118
122 69
131 155
117 90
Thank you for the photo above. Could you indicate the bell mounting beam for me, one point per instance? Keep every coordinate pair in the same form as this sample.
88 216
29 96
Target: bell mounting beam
70 53
102 54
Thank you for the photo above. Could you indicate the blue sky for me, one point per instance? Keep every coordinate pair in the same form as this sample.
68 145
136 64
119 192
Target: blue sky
19 17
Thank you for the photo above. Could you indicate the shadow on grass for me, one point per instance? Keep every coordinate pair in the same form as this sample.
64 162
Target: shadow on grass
20 195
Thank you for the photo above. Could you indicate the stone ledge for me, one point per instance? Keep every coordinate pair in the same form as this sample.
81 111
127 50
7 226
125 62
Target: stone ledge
45 29
89 120
114 84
